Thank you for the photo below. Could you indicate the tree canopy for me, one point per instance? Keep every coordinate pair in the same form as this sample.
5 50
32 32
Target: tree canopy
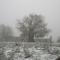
32 26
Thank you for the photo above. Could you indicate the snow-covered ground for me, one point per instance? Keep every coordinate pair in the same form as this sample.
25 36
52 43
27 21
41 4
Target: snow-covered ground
34 54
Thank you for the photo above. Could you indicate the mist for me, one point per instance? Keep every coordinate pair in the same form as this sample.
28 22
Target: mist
11 10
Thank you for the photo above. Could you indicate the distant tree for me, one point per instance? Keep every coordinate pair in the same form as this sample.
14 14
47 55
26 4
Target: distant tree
5 32
58 40
32 26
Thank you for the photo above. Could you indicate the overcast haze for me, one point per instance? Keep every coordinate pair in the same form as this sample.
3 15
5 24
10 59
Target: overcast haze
10 10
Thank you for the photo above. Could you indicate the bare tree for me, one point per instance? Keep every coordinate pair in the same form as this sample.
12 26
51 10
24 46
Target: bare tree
32 26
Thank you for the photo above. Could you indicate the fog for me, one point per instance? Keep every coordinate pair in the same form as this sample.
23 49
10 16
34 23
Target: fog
10 10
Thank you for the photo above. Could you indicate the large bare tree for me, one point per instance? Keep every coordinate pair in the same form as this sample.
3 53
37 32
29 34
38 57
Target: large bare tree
32 26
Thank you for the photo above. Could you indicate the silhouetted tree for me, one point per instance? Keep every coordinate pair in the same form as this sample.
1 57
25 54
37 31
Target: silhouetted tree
58 40
5 32
32 26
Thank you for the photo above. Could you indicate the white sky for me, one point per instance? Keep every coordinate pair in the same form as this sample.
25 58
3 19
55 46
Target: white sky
10 10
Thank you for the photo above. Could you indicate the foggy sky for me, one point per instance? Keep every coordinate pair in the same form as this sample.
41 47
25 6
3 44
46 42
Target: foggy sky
10 10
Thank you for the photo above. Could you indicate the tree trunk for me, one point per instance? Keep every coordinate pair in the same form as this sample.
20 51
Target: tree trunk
31 36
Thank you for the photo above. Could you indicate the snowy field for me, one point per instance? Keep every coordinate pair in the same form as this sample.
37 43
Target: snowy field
30 53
